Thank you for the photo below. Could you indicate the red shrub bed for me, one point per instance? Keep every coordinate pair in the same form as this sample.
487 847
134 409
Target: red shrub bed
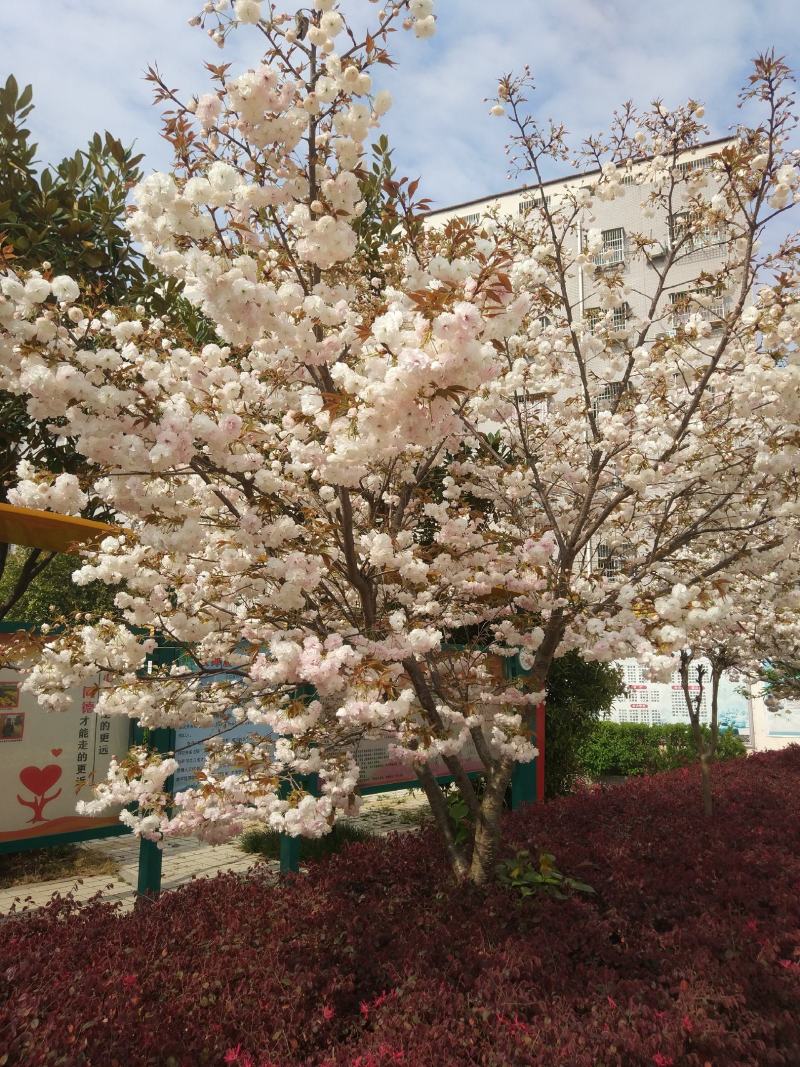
689 954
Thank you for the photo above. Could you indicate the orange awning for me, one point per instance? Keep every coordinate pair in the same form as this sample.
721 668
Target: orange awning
48 530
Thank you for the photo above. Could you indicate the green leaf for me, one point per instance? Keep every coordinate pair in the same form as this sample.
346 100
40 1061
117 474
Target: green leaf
581 887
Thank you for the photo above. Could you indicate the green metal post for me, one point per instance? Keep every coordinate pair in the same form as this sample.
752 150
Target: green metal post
523 785
290 854
290 846
148 884
524 776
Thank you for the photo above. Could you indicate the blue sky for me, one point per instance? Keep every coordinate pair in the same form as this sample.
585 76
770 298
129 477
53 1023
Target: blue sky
86 59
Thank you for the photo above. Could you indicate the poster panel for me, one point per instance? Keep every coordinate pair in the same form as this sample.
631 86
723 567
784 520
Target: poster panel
785 720
190 741
656 703
50 760
377 767
190 748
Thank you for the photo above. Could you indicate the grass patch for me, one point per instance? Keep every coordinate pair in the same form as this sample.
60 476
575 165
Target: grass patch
49 864
266 843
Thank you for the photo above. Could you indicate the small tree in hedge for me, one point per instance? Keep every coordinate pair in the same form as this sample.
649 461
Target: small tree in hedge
695 678
753 619
578 693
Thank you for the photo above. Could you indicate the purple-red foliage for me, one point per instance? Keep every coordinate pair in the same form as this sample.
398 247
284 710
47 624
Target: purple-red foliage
689 955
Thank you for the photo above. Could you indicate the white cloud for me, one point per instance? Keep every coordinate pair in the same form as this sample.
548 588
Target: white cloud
86 59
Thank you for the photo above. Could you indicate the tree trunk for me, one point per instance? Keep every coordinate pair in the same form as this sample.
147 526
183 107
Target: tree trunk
709 752
487 828
438 804
693 705
705 778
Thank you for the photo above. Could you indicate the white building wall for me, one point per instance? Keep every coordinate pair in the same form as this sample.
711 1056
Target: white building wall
663 703
625 212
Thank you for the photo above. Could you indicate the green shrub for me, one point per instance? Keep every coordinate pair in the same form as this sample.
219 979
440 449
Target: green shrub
578 692
266 842
633 749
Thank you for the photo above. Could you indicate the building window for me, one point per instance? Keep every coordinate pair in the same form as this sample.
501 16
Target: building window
613 248
532 202
709 304
605 399
471 220
611 560
593 317
706 163
683 227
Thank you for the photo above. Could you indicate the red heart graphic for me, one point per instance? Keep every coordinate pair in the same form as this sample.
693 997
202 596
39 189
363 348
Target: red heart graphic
56 751
40 779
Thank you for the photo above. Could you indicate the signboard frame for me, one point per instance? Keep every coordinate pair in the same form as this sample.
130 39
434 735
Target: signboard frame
114 827
527 784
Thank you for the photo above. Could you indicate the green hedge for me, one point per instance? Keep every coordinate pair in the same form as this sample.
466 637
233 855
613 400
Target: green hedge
266 842
578 693
621 748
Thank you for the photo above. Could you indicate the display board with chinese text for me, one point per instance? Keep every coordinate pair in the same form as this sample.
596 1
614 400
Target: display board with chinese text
664 703
50 760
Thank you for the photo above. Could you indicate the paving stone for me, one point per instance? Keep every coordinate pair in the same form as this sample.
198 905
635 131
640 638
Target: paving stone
186 859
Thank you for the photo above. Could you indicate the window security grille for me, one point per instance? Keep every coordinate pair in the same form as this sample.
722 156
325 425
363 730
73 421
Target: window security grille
711 306
611 560
605 398
619 318
613 248
707 238
536 201
706 163
471 220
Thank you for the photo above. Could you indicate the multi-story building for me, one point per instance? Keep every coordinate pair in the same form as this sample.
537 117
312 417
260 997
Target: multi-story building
617 220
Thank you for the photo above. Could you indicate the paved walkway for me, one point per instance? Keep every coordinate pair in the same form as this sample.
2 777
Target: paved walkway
186 858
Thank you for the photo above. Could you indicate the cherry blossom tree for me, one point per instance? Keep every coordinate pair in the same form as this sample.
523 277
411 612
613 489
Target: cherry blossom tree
391 472
755 620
